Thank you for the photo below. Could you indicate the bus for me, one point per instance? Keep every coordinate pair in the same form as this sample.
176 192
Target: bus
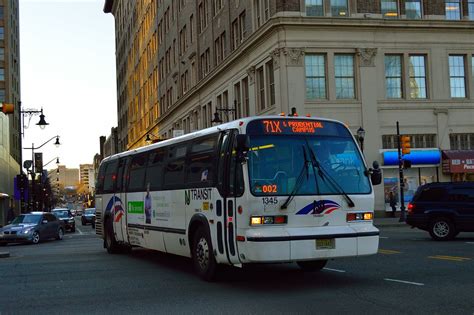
267 189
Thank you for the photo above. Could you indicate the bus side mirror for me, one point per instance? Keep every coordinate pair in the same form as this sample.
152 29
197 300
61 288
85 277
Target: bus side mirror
375 173
242 147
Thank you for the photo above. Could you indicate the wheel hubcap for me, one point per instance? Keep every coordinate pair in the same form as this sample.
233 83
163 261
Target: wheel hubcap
35 238
202 253
441 229
60 233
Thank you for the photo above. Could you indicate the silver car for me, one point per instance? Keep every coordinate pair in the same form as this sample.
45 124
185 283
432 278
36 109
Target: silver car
32 227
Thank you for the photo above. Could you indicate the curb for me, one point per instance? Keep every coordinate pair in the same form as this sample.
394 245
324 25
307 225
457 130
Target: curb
4 254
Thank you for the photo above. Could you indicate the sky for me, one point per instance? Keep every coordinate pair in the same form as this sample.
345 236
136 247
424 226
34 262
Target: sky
67 67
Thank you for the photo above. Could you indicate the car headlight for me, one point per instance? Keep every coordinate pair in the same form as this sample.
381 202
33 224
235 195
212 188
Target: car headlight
28 231
71 220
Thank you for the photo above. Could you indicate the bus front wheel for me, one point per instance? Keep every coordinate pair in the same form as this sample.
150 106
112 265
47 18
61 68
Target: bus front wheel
312 265
202 253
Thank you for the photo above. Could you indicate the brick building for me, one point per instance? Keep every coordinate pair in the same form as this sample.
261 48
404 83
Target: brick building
367 63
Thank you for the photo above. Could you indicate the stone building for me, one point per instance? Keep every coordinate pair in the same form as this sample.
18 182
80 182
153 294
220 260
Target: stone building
366 63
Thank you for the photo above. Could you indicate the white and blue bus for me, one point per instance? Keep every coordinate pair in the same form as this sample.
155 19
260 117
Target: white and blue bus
256 190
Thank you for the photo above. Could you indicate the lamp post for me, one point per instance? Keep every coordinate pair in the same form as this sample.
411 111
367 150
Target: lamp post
361 137
33 173
156 139
226 110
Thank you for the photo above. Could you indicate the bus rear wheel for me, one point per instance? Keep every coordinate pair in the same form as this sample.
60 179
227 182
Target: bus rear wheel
202 254
312 265
110 242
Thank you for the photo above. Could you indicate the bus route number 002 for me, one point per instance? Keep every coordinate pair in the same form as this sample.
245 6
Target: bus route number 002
269 188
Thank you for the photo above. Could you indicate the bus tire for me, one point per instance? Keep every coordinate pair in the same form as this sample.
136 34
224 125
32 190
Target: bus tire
110 242
312 265
202 254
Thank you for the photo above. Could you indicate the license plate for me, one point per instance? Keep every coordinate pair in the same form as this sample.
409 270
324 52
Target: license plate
327 243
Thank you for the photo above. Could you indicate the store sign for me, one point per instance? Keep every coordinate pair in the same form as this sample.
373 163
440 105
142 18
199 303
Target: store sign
458 161
416 157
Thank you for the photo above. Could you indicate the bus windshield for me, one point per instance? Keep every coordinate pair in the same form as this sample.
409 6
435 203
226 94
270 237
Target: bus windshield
276 161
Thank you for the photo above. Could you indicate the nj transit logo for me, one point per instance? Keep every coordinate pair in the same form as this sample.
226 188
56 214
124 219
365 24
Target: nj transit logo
116 208
319 207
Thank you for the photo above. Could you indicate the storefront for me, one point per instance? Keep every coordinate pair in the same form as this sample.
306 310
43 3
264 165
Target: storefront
424 169
459 164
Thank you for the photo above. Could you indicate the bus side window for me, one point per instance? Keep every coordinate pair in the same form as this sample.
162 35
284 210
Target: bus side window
121 180
155 169
99 186
201 162
110 177
236 177
174 171
137 173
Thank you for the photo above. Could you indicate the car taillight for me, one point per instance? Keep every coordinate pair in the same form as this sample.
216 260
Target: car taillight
410 207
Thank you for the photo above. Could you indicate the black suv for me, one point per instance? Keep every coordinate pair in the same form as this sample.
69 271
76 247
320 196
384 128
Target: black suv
443 209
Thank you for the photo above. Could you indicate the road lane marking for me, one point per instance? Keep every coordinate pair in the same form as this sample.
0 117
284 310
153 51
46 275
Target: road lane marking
383 237
405 282
451 258
335 270
388 251
80 232
469 242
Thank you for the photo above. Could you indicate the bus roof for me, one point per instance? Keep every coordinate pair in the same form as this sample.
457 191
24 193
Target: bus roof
235 124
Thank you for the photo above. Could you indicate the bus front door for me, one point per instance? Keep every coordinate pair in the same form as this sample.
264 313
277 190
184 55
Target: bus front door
226 202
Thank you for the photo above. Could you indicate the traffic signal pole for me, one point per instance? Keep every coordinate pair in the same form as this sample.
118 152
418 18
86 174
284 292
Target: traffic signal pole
400 172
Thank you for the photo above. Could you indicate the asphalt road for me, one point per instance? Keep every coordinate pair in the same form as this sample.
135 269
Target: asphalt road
411 275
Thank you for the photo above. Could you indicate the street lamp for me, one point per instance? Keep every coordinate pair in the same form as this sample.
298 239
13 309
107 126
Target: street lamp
33 174
360 138
57 161
217 119
156 139
31 112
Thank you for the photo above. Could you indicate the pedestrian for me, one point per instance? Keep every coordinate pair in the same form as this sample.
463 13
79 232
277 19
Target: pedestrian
393 203
10 214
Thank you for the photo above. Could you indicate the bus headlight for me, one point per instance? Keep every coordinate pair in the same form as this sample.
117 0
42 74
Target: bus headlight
268 220
359 216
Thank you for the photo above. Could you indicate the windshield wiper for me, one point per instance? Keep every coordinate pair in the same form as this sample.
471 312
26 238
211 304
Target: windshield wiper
324 175
299 180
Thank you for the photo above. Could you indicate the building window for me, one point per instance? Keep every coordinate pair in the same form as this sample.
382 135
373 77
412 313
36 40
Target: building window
453 9
234 35
417 73
191 28
262 11
461 141
314 8
470 9
260 89
339 8
2 33
344 76
413 9
2 95
2 54
271 83
243 32
457 76
315 66
416 141
393 76
2 74
389 8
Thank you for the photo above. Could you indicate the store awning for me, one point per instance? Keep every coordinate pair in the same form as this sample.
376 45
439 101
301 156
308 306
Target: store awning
417 157
458 161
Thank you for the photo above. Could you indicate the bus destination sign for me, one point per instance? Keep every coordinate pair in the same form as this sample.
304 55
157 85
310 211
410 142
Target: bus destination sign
278 126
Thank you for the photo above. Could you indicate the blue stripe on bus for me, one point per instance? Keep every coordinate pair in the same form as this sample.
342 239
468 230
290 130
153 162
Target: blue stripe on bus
309 237
156 228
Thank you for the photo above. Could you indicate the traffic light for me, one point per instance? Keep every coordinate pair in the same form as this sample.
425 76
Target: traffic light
406 164
39 162
405 144
7 108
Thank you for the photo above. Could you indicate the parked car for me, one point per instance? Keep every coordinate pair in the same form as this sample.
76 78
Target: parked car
88 217
66 217
443 209
32 227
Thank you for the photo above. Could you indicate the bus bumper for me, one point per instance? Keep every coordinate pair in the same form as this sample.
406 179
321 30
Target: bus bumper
297 244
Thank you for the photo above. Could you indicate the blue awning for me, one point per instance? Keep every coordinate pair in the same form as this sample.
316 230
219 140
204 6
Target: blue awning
416 157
